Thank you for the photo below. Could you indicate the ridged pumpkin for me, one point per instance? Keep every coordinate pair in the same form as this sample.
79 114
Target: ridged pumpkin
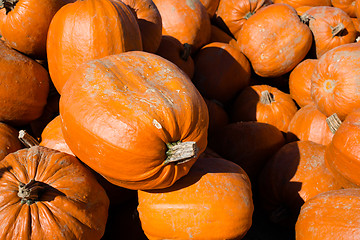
24 87
24 24
334 83
144 111
266 104
330 215
274 40
347 6
47 194
331 27
87 30
296 173
213 201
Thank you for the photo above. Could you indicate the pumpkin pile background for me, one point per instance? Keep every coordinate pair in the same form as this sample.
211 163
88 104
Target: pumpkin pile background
196 119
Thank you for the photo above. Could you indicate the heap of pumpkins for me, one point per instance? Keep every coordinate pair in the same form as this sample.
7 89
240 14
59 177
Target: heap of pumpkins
168 119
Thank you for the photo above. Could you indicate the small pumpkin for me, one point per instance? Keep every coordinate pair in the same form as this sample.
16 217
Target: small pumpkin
49 194
213 201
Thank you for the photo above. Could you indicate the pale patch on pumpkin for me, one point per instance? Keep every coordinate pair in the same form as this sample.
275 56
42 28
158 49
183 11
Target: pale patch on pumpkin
156 124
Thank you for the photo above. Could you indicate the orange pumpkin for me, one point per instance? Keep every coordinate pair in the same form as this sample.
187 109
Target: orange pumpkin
296 173
218 117
310 124
331 27
9 141
213 201
347 6
47 194
218 35
221 71
266 104
274 40
24 24
299 3
150 22
211 6
330 215
187 21
334 83
147 122
86 30
300 82
24 87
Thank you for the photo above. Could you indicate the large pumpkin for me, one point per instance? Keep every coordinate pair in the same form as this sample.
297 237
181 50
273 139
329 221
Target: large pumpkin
274 40
86 30
9 141
213 201
24 24
47 194
24 87
135 118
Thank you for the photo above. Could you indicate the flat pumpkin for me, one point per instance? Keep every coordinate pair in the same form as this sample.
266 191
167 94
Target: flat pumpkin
144 110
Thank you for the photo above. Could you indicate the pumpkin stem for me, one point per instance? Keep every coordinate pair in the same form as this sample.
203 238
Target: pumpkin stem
337 30
185 54
266 97
333 122
27 139
8 5
30 192
248 15
305 18
180 152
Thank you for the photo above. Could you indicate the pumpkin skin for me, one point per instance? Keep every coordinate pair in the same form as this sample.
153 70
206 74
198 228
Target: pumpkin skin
299 3
187 21
266 104
218 117
218 35
71 204
211 6
232 14
24 87
342 154
310 124
274 40
331 27
171 49
150 22
330 215
347 6
296 173
213 201
124 135
221 71
17 26
335 80
9 141
107 27
248 144
300 82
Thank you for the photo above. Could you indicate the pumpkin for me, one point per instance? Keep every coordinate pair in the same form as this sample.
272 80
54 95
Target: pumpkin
264 103
357 8
300 82
171 49
330 215
147 122
47 194
24 87
334 82
232 14
9 141
299 3
302 9
24 24
218 35
150 22
248 144
218 117
221 71
274 40
213 201
296 173
187 21
347 6
211 6
331 27
342 154
86 30
356 23
310 124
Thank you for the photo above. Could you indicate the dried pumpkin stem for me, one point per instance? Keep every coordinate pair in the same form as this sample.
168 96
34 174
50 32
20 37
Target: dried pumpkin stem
337 30
27 139
305 18
30 192
333 122
185 54
9 5
181 152
248 15
266 97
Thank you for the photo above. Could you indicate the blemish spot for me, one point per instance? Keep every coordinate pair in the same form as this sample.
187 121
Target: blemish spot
157 124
